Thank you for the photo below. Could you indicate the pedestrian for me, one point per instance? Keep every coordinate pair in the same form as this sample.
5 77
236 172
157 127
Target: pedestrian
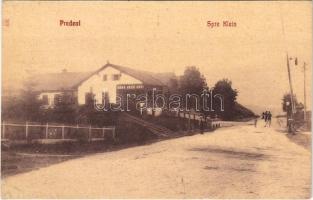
263 115
265 118
255 122
269 118
201 126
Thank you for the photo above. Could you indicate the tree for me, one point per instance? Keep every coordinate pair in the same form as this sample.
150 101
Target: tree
192 83
297 117
25 106
223 88
64 110
30 103
173 86
286 105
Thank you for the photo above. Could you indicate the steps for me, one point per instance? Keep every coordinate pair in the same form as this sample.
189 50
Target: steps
155 129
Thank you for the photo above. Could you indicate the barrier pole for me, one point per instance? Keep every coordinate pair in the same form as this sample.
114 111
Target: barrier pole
63 132
113 133
89 133
47 127
3 130
26 130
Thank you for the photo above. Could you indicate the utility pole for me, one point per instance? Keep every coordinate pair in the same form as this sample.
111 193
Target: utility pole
290 116
291 90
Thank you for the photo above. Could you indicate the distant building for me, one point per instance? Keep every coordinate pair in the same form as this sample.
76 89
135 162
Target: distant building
102 85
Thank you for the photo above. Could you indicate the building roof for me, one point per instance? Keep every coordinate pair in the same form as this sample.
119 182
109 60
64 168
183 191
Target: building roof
71 80
58 81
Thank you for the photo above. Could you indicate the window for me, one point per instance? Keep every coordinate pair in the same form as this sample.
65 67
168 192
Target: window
57 99
89 98
105 77
116 77
105 98
45 100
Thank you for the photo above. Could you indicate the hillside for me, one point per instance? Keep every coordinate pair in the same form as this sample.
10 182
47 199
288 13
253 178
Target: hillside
241 112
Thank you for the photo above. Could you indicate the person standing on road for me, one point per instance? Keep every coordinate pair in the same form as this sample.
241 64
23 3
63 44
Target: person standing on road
266 118
201 126
263 115
255 121
269 118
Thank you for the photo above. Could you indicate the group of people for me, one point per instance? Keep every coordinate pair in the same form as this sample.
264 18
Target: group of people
267 116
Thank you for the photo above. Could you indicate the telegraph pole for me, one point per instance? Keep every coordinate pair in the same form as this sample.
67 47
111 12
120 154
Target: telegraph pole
290 116
291 90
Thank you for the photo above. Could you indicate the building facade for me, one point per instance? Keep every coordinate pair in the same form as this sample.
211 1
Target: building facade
109 84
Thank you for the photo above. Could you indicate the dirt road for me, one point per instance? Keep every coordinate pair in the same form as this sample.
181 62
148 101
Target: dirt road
236 162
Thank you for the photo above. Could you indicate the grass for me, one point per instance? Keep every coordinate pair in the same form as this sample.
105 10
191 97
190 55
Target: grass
13 163
24 158
301 139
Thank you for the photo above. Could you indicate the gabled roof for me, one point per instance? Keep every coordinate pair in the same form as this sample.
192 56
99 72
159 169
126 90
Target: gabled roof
147 78
58 81
71 80
165 77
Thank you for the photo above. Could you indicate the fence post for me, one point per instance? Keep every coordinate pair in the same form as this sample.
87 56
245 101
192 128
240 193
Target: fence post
189 125
113 133
210 124
26 130
3 130
63 132
194 121
47 127
89 133
103 132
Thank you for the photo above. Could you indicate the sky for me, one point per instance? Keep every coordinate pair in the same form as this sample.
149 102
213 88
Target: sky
166 37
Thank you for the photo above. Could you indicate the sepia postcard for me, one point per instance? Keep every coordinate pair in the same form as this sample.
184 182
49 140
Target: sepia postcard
156 99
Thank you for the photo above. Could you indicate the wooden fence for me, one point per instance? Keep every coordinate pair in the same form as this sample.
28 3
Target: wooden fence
29 132
210 123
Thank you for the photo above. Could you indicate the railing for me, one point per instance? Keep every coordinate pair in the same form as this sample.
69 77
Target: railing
210 123
52 132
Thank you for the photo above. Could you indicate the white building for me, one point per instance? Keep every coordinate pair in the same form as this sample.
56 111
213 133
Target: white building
104 84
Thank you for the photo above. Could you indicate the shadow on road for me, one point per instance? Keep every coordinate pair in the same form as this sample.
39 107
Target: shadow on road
233 153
